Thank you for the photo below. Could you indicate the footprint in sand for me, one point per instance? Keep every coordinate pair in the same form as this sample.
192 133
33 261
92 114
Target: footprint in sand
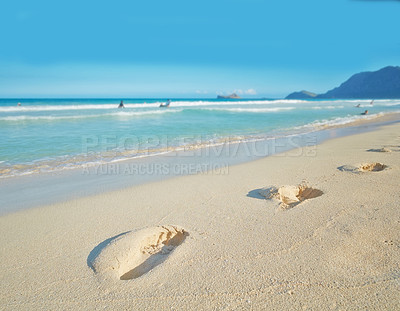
372 167
366 167
290 196
130 255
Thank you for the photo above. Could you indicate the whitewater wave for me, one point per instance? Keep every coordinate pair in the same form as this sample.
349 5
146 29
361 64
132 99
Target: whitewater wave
143 113
235 103
74 117
321 124
390 104
191 103
255 110
54 108
200 103
327 107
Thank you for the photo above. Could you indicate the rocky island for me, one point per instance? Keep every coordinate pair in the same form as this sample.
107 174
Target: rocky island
232 96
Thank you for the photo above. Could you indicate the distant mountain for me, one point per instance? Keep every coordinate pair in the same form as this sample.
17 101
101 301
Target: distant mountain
384 83
301 95
232 96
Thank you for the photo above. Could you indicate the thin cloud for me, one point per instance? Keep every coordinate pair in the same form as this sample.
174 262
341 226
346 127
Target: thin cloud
201 92
246 92
251 92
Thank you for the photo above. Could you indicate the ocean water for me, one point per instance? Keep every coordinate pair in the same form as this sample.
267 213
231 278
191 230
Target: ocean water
44 135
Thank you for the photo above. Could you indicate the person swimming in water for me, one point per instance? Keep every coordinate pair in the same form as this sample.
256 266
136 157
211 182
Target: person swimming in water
121 104
365 112
166 105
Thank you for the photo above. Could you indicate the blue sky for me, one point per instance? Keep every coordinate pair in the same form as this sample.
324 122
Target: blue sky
183 48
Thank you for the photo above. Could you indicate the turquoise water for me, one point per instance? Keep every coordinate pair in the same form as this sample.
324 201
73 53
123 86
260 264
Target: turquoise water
54 134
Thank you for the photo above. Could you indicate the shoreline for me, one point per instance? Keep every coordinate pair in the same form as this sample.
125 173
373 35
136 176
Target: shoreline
336 250
95 149
61 186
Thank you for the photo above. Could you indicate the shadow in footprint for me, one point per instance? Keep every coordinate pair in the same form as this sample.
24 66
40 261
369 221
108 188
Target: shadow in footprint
366 167
256 194
146 266
97 250
384 149
155 259
347 168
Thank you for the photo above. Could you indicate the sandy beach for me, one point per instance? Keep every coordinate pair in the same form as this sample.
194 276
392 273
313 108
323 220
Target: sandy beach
315 228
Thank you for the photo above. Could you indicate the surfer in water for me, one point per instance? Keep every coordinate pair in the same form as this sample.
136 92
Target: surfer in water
365 112
166 105
121 104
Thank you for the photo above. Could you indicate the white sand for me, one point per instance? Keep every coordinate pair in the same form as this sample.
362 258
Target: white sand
336 251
